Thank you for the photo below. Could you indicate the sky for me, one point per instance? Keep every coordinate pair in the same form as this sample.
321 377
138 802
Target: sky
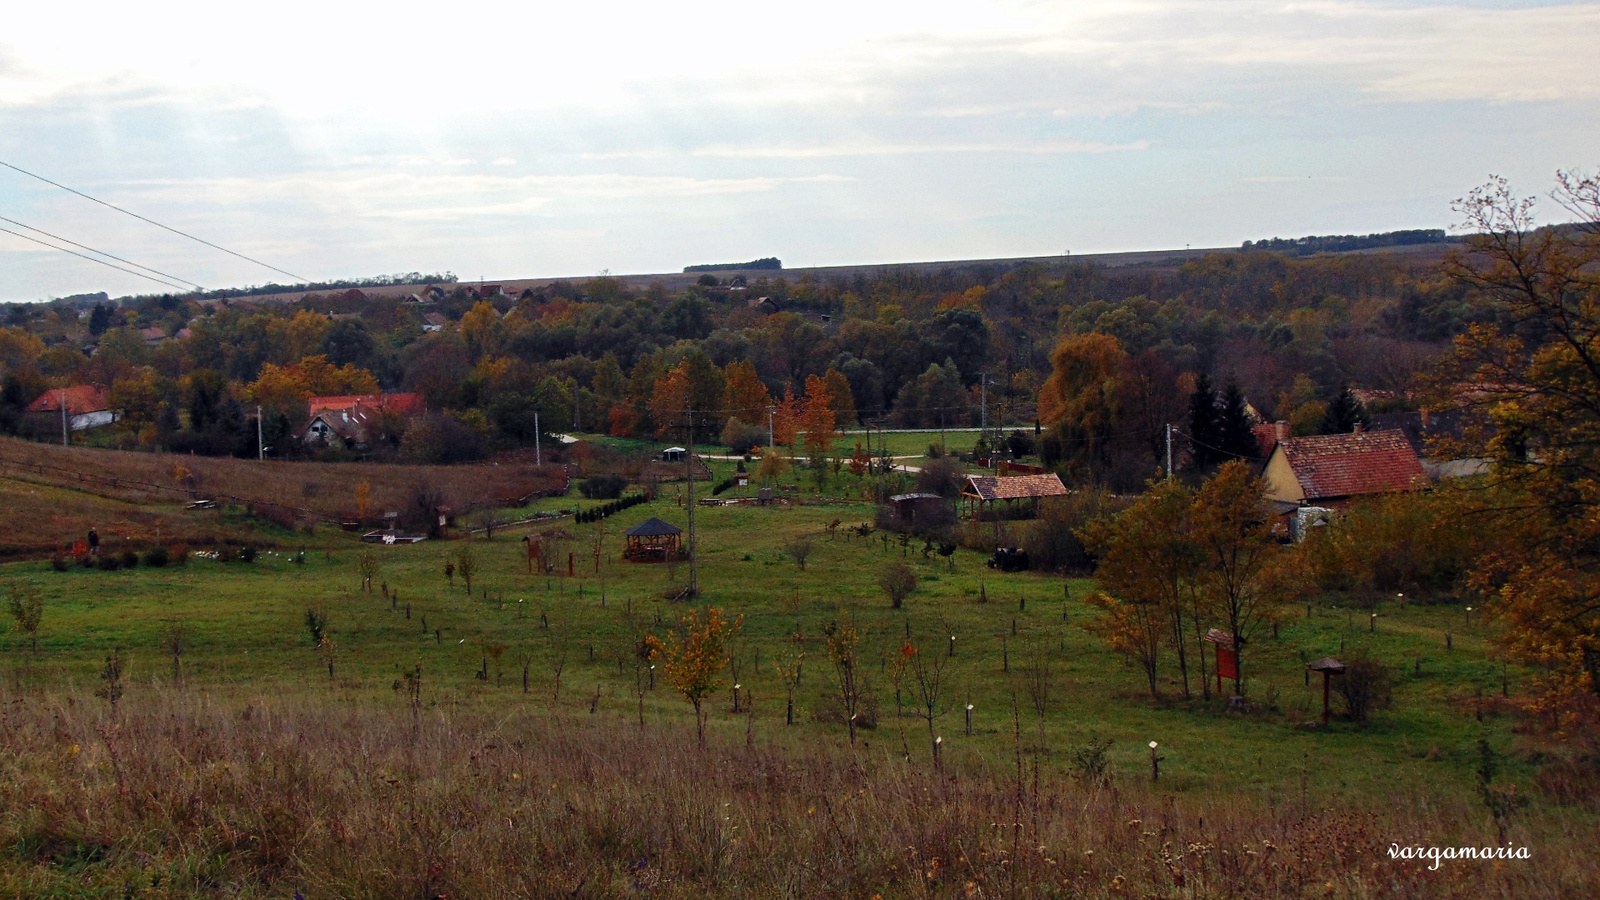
336 140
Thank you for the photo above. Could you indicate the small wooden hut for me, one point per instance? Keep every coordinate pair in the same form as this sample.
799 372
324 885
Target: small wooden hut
653 541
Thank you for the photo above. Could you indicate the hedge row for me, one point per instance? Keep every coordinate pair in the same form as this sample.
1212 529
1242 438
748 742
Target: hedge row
610 509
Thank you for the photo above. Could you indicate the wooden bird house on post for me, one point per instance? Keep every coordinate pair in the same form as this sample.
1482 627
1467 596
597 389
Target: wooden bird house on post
1329 667
1227 657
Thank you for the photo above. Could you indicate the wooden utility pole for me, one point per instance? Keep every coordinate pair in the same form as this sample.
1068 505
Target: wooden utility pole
694 557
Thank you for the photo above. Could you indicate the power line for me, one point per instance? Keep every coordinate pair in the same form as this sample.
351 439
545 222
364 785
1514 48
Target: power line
92 259
125 212
101 252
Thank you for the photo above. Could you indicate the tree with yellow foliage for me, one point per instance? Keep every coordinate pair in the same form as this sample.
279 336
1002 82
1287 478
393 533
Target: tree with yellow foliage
1531 387
1147 574
695 657
1079 399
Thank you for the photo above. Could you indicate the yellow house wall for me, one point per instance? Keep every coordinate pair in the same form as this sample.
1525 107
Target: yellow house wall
1280 481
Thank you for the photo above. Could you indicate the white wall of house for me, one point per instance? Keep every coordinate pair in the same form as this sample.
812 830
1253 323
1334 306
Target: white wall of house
84 421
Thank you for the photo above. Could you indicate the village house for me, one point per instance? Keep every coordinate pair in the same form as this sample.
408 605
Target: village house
86 406
1329 470
352 419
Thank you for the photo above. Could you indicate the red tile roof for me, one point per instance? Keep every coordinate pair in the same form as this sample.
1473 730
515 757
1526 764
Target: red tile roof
1266 437
1016 487
1345 465
404 404
80 399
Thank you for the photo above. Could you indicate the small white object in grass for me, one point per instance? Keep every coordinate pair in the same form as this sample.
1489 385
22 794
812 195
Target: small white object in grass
969 707
1153 745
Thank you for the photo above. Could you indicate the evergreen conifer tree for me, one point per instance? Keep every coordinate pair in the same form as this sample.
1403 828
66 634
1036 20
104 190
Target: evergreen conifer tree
1205 426
1344 413
1237 433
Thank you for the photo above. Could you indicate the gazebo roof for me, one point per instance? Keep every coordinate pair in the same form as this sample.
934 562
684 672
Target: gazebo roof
653 527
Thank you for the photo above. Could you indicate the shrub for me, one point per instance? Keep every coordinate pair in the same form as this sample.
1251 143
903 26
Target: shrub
178 555
944 476
1365 685
130 559
247 553
742 437
897 581
603 487
1053 543
86 561
109 562
156 557
1020 443
59 562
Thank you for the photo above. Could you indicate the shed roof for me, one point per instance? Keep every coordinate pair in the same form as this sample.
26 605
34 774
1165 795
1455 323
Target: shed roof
653 527
1346 465
1014 487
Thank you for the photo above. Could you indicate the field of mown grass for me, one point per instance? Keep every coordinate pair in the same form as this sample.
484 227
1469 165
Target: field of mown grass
248 648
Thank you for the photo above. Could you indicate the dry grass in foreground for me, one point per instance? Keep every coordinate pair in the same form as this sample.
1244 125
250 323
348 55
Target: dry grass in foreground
200 795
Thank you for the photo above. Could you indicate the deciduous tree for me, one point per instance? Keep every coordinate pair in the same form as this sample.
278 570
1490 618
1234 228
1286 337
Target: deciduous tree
695 656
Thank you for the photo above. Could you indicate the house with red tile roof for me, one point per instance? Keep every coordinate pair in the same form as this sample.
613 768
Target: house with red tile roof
1331 469
351 419
87 405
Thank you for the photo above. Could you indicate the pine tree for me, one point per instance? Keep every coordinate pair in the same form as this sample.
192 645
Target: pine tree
1205 426
1237 433
1344 413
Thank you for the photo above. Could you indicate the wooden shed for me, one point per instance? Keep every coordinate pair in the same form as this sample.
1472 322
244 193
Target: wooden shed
981 491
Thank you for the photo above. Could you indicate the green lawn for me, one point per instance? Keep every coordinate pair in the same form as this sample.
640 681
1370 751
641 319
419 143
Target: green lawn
246 629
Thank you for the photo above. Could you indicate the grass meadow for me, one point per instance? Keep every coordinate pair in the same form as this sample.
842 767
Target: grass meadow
259 773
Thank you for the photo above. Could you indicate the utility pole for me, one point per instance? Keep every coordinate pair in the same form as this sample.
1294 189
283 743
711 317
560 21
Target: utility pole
694 556
983 404
63 417
577 421
770 412
1169 449
538 452
261 444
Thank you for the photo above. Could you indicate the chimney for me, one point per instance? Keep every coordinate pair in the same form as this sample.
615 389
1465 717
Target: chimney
1358 428
1281 429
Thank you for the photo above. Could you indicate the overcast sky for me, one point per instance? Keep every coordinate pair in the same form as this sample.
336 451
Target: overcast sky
336 139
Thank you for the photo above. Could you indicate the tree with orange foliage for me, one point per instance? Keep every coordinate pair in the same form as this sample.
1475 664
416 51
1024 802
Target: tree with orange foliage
669 405
745 396
696 656
786 418
817 416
